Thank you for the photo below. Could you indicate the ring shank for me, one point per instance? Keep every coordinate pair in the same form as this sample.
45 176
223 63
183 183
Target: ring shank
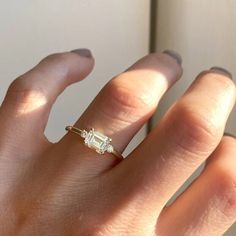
74 130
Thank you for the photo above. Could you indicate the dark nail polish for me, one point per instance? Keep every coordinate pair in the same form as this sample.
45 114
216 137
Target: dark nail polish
229 134
175 55
222 71
84 52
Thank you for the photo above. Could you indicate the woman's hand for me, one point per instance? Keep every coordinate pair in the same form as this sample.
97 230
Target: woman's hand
65 188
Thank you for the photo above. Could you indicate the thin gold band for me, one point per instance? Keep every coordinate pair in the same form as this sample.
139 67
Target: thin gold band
74 130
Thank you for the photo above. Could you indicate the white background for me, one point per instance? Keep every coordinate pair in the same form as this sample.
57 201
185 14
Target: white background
204 33
117 32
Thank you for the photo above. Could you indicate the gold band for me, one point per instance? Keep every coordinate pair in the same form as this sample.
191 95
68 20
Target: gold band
74 130
95 140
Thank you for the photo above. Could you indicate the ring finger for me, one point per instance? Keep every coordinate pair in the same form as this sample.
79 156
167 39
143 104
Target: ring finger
126 103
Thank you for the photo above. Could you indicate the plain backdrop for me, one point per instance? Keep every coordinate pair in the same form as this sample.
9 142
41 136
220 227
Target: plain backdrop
117 32
204 33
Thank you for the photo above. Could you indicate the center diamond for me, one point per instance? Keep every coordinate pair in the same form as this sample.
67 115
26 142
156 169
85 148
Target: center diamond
97 141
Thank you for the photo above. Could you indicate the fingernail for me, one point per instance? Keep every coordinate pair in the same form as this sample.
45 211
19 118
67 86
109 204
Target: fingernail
84 52
222 71
175 55
229 134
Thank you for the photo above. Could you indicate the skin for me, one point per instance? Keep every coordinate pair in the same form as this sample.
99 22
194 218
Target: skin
65 188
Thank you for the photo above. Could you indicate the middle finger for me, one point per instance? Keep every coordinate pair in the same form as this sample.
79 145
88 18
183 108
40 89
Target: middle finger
125 104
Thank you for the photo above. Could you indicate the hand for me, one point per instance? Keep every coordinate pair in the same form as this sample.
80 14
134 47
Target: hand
65 188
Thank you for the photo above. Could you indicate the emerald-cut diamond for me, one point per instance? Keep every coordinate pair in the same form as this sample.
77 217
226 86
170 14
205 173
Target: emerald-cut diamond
97 141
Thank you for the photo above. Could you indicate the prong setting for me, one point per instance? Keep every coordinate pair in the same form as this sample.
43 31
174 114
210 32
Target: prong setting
97 141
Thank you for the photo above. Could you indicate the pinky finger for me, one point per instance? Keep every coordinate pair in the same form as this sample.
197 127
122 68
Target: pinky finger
208 206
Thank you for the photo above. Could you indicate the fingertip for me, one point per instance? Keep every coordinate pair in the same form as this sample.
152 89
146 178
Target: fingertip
84 52
222 71
174 55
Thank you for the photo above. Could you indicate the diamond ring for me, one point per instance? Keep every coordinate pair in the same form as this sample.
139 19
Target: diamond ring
95 140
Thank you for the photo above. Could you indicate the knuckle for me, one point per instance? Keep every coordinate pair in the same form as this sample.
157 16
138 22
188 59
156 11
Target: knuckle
194 128
221 167
126 96
225 180
23 91
122 102
20 84
16 85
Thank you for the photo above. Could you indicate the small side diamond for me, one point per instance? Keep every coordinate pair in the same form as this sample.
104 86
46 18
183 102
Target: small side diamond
110 149
83 133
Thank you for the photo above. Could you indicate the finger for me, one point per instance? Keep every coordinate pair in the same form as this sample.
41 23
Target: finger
29 99
181 141
127 102
208 206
